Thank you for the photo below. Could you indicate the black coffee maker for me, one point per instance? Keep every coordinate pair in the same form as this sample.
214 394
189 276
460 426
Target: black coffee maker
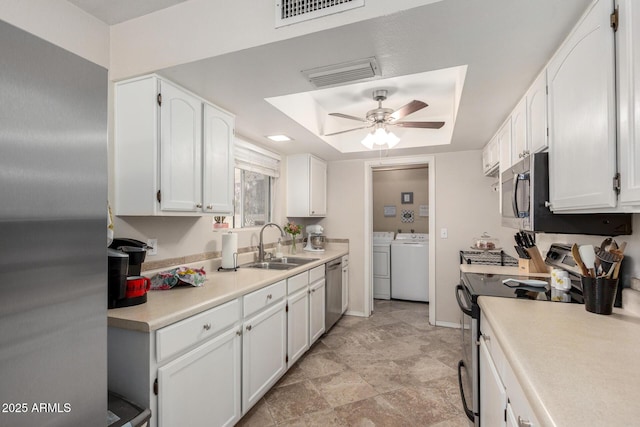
125 261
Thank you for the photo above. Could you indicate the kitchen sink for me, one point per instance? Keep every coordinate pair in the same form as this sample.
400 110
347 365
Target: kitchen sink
284 263
294 260
270 265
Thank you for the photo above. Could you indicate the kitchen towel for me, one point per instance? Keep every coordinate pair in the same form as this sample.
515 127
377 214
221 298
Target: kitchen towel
229 250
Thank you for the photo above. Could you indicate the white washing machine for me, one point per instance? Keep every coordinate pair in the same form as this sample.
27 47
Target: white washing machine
382 264
410 267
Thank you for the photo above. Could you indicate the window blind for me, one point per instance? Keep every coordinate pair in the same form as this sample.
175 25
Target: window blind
256 159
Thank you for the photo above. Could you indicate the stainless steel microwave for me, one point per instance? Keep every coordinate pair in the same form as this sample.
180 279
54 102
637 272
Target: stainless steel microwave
525 193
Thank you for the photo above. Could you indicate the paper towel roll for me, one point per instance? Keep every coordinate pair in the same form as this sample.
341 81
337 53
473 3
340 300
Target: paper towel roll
229 250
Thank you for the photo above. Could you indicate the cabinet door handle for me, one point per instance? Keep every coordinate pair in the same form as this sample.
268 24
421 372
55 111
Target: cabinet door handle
238 333
206 326
248 327
524 423
198 205
210 207
269 296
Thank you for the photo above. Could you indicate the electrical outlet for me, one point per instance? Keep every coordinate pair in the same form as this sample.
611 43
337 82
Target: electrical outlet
444 233
153 247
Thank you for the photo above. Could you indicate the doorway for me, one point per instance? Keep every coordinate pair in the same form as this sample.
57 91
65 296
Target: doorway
422 220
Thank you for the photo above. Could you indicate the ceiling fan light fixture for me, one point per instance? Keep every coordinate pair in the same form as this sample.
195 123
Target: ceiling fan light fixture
368 141
380 137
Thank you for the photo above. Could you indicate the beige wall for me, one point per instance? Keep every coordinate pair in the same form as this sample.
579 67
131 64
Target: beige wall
465 204
345 207
387 188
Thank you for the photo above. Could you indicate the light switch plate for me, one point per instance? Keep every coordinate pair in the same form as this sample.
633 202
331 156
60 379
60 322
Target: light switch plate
444 233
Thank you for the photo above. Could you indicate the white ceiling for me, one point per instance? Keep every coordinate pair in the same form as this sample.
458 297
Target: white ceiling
503 44
116 11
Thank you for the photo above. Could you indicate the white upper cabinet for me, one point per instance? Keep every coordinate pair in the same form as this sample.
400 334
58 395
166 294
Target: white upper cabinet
504 143
171 155
537 115
582 115
628 57
217 173
306 186
519 143
491 157
180 150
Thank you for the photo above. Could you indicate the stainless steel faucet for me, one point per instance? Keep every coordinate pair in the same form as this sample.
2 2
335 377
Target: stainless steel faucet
261 245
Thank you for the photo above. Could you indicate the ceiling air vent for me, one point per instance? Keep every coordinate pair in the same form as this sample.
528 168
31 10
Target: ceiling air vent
345 72
293 11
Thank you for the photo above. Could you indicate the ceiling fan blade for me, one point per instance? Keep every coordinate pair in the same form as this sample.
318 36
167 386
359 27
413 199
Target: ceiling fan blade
345 131
423 125
346 116
405 110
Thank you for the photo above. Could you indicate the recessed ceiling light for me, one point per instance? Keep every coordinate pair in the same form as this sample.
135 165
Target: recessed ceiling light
279 138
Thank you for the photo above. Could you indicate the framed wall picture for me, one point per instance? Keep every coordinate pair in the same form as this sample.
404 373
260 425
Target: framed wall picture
407 197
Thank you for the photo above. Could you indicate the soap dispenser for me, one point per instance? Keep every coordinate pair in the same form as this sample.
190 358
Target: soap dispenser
279 249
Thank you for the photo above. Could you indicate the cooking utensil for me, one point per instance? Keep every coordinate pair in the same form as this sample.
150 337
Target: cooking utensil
620 251
575 252
588 255
606 243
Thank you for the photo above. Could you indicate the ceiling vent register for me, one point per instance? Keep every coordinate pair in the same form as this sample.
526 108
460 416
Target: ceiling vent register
294 11
342 73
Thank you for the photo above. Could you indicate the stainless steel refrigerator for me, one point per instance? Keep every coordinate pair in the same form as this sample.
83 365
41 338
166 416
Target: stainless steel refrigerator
53 217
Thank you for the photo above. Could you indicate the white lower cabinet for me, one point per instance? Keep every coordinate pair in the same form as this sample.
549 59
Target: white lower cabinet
297 317
345 283
316 310
202 387
502 400
493 395
264 345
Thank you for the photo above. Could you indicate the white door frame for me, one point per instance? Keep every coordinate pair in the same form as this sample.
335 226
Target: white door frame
429 161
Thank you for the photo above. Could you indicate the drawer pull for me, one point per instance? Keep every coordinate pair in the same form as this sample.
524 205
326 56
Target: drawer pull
524 423
239 333
207 326
269 296
248 327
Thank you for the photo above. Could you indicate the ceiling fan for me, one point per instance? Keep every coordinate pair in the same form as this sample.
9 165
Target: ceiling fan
381 117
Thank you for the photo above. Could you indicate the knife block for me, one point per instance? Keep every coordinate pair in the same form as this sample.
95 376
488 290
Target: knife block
534 265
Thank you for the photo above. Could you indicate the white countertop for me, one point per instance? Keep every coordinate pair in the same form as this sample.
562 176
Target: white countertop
164 307
576 368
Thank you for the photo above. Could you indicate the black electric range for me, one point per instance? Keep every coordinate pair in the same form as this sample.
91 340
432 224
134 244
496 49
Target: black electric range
492 285
474 285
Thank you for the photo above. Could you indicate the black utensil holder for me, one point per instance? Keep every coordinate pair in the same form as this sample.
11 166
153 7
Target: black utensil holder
599 294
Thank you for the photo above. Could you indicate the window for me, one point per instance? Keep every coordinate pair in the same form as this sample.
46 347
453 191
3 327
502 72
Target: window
252 199
255 175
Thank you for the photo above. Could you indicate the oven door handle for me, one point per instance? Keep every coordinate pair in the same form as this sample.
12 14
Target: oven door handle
467 411
465 308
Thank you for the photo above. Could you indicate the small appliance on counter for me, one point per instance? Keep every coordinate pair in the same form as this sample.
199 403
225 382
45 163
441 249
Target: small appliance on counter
126 286
315 238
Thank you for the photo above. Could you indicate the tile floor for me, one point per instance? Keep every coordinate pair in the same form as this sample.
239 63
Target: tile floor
392 369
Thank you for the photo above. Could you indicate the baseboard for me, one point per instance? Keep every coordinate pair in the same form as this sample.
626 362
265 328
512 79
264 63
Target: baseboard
448 324
355 313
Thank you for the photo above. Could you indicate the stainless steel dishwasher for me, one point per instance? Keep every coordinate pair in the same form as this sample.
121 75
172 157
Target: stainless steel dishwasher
333 293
